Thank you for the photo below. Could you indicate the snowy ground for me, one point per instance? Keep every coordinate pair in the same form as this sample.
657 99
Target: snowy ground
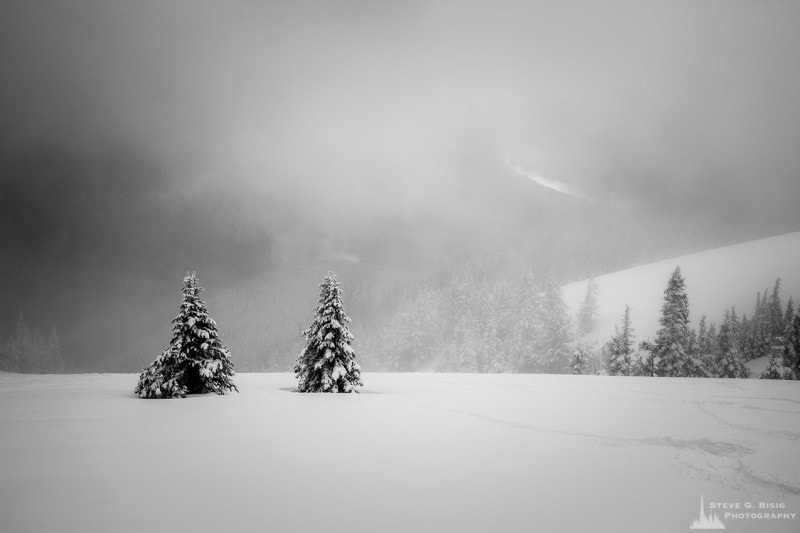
414 452
715 280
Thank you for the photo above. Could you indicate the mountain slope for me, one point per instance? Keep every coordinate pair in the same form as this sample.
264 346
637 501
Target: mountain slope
715 279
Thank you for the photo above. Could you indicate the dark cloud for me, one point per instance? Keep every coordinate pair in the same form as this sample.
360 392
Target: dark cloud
614 96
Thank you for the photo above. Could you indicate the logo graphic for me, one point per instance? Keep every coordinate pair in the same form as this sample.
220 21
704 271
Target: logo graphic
706 521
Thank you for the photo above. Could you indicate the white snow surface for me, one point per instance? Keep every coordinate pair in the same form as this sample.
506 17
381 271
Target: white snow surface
411 453
715 280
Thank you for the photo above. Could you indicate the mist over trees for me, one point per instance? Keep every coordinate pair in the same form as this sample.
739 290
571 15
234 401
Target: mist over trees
31 351
588 308
72 213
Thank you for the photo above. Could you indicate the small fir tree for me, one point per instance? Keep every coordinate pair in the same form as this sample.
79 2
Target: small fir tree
327 363
774 370
646 362
791 350
196 361
580 360
588 309
729 364
620 348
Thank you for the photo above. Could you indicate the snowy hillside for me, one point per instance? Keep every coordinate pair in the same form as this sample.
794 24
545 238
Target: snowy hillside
715 280
413 452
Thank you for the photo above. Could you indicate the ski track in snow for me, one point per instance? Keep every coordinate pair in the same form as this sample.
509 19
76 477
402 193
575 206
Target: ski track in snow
725 462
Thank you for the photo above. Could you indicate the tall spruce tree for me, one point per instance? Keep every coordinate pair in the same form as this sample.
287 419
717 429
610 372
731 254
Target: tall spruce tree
743 335
620 348
528 335
791 350
588 309
775 311
788 315
672 339
556 330
196 361
327 363
703 344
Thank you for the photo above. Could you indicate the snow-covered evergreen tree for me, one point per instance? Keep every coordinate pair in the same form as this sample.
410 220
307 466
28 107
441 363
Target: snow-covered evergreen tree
774 369
671 344
788 314
645 364
620 348
775 311
556 330
327 363
580 361
791 350
705 344
497 332
529 325
760 340
729 363
588 308
196 361
743 335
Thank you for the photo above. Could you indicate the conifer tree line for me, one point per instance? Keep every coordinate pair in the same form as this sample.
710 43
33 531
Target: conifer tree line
710 351
31 351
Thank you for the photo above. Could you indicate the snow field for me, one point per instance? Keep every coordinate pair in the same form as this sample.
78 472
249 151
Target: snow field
413 452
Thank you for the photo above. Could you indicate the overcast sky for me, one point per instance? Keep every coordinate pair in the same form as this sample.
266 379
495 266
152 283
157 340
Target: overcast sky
637 102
